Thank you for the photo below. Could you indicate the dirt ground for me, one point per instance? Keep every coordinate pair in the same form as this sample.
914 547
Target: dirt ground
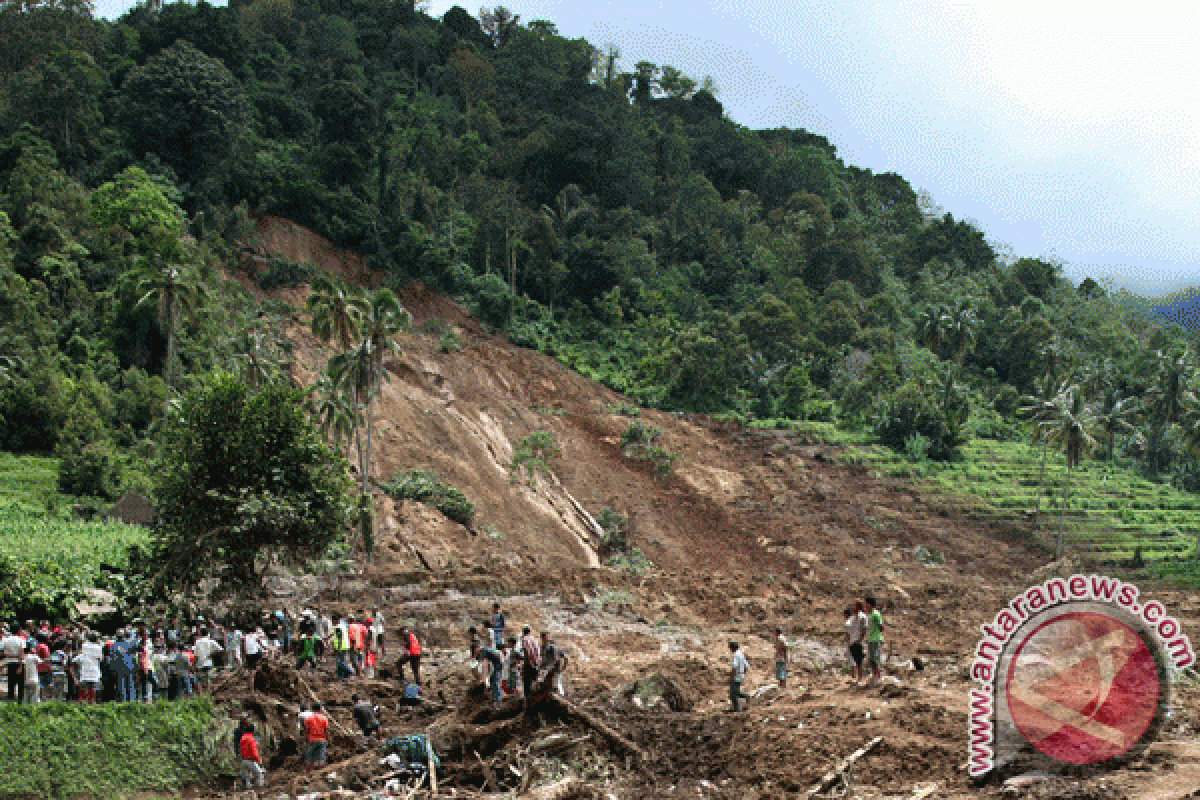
751 529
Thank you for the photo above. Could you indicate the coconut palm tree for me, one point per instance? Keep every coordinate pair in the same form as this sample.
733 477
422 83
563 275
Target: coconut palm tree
177 291
336 310
1067 423
334 412
931 327
961 325
1167 400
382 320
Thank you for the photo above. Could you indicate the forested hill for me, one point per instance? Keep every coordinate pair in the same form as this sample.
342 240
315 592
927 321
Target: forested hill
607 213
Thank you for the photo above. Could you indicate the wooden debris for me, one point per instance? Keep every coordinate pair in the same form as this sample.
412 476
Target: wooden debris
921 792
611 737
840 770
433 787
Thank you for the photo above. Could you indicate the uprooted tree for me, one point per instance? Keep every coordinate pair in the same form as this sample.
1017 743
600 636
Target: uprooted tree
243 481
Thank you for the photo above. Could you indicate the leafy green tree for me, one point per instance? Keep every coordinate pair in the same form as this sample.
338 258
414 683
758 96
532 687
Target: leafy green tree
61 97
243 481
187 108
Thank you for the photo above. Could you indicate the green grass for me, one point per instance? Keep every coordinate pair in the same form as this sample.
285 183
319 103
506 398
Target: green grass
112 750
28 482
1112 511
34 537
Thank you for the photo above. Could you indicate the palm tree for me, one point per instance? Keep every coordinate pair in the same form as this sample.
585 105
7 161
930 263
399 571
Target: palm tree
336 310
334 411
931 326
1038 408
1067 422
961 325
384 318
1168 399
350 372
177 291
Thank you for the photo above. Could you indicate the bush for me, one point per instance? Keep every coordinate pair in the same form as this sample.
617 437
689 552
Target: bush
532 454
423 486
616 531
92 470
285 273
640 433
911 411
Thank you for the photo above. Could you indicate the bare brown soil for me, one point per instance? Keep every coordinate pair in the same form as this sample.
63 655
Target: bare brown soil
750 530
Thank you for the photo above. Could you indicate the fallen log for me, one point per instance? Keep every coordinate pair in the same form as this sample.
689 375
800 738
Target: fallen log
553 791
921 792
831 777
612 737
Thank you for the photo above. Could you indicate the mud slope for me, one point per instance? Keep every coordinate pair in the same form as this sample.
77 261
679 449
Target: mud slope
736 501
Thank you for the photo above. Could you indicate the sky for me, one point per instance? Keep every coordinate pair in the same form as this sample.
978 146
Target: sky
1066 131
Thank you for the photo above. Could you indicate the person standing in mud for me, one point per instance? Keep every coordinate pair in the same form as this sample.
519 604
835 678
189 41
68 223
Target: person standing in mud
531 661
497 625
874 639
412 655
737 675
315 731
856 634
781 657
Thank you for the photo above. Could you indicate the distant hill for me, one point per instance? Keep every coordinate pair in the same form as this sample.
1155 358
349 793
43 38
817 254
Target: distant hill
1182 306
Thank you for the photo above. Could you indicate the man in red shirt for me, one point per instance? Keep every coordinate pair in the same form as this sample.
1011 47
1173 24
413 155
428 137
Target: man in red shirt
316 726
252 770
412 655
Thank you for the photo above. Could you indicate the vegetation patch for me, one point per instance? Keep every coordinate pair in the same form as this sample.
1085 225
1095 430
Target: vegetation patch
532 455
111 750
423 486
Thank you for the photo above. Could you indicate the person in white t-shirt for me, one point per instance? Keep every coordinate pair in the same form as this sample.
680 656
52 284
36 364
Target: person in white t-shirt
12 647
233 647
204 649
30 664
856 634
737 675
377 632
90 653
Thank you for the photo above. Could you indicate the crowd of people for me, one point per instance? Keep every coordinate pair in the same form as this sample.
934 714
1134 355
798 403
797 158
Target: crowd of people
172 659
514 667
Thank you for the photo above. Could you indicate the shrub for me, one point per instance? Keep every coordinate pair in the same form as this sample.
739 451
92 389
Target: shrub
910 410
93 470
285 273
616 531
640 433
532 454
423 486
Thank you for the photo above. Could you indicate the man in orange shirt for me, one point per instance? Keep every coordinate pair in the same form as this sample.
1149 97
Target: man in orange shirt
411 656
358 643
315 727
252 771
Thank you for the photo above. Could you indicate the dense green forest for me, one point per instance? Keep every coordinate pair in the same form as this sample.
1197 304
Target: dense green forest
611 215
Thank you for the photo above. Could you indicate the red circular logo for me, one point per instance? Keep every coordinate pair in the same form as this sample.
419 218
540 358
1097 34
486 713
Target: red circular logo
1083 687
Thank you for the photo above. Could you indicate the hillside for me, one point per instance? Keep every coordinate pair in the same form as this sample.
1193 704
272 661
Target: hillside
750 529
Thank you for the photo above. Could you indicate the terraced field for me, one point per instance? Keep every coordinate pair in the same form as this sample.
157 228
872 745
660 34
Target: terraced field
1112 511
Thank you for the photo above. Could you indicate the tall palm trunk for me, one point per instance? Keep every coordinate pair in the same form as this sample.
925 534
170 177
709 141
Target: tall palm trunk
169 372
1062 523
